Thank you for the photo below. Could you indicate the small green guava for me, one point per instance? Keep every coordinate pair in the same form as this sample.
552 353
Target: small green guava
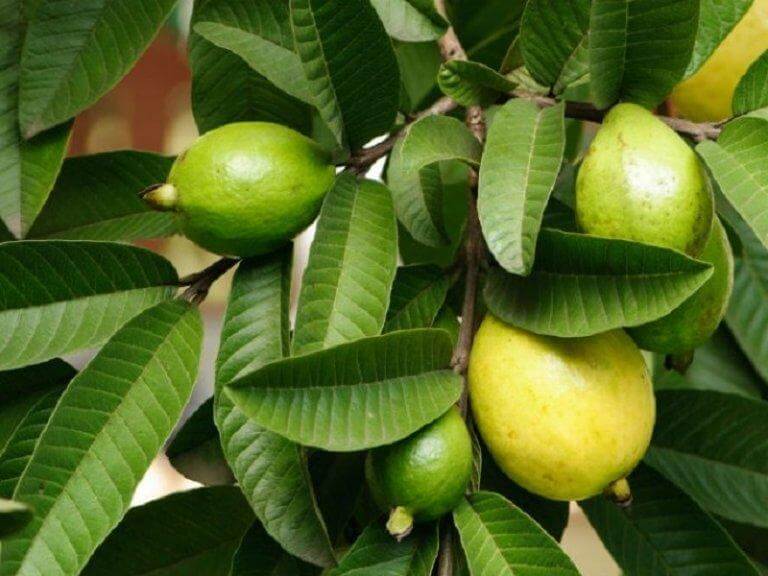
424 476
246 188
640 181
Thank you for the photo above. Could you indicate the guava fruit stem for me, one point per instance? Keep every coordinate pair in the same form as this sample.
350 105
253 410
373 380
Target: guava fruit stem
400 523
162 197
619 492
679 362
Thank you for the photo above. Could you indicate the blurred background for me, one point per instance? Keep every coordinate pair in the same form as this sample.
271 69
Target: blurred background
150 110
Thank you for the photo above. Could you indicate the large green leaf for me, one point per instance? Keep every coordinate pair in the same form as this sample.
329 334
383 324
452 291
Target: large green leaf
101 438
372 378
520 165
554 41
639 49
96 198
486 28
194 532
437 138
224 87
59 296
472 83
419 64
352 262
339 480
752 90
664 533
272 471
737 162
260 555
410 20
715 447
500 539
417 296
583 285
13 517
350 65
75 52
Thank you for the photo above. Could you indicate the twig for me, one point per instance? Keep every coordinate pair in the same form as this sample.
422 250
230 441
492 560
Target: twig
200 283
445 555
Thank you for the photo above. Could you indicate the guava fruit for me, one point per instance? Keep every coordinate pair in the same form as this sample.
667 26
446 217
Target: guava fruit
640 181
565 418
424 476
707 95
246 188
696 319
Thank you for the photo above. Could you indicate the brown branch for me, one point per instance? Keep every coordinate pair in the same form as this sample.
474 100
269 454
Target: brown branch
445 553
199 283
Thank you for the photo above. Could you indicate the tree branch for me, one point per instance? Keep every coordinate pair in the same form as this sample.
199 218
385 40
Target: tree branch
199 283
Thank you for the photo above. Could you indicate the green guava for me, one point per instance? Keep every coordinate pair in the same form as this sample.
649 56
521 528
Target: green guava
696 319
424 476
640 181
246 188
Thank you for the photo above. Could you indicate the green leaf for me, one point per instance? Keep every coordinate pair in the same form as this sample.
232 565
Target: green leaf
417 296
224 87
500 539
410 20
419 64
752 90
260 555
639 49
521 162
716 20
583 285
664 532
271 471
352 263
376 553
737 163
715 447
372 377
61 296
472 83
554 41
5 234
194 532
340 481
96 198
13 517
31 379
350 65
73 54
486 28
437 138
102 435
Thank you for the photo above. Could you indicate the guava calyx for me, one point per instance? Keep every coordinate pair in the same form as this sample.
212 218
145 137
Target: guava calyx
400 523
161 197
679 362
619 493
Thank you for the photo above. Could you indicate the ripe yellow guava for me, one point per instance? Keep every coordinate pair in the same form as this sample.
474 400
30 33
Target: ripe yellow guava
565 418
246 188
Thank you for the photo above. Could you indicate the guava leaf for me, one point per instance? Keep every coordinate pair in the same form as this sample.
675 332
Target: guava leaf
417 296
339 480
437 138
61 296
419 64
410 20
193 532
96 198
104 432
352 262
472 83
664 532
583 285
639 49
714 446
260 555
13 517
752 91
498 538
522 158
371 377
486 28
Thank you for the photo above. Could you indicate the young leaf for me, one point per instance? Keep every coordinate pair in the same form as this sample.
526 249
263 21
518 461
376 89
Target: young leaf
472 83
520 164
752 90
60 296
582 285
13 517
371 378
417 296
74 53
271 471
96 198
664 532
410 20
194 532
345 291
715 447
260 555
716 20
554 41
350 65
639 49
103 435
437 138
500 539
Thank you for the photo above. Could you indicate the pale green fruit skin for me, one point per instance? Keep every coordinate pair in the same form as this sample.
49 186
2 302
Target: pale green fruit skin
696 319
246 188
427 473
640 181
562 417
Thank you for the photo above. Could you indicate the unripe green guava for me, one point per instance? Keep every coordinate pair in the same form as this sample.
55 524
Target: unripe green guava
246 188
565 418
696 319
640 181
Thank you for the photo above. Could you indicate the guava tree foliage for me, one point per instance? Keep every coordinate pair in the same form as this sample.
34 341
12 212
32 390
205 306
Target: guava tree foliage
479 108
